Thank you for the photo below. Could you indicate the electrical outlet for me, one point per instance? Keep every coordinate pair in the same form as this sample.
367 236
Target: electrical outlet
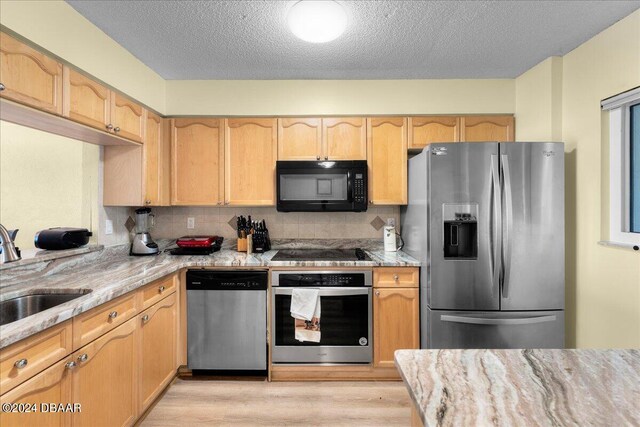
391 222
191 222
108 227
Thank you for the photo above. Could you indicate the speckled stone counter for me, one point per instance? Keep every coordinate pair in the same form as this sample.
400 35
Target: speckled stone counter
523 387
111 272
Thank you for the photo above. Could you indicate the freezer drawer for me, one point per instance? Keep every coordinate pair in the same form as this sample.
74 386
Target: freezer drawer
468 329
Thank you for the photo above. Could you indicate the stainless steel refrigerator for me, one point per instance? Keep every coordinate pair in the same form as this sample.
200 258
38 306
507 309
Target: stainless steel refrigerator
487 222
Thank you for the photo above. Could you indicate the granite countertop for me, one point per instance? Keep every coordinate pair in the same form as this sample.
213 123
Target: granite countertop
111 272
523 387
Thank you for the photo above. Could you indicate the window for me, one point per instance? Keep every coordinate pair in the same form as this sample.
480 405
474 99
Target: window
634 156
624 168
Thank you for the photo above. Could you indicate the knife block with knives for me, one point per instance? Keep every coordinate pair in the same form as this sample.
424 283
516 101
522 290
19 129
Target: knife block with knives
256 231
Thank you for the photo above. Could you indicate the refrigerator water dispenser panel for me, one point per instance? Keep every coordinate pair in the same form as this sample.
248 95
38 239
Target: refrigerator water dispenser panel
460 228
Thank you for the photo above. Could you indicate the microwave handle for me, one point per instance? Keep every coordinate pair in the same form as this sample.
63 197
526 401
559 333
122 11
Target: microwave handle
327 292
349 187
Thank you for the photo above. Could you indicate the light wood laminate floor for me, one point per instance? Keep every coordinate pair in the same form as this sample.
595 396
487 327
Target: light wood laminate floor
259 403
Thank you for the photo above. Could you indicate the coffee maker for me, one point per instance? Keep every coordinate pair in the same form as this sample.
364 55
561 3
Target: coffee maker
142 243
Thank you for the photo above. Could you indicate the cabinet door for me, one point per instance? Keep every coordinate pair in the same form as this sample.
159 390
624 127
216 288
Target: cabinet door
197 161
396 323
127 118
487 128
85 101
53 385
344 138
387 160
29 77
299 139
152 158
157 349
250 162
105 382
427 129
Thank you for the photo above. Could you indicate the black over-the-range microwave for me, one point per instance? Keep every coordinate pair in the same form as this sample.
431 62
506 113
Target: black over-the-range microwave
322 186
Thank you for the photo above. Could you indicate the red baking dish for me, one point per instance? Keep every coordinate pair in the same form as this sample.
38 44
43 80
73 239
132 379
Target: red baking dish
196 241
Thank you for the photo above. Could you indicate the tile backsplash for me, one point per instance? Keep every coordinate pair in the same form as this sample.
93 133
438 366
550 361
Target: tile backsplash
171 222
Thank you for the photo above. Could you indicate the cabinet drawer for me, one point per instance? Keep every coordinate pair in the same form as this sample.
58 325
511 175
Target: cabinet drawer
90 325
36 353
157 290
392 277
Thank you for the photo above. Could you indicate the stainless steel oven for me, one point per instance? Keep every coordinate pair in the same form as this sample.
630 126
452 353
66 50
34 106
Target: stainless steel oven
345 321
331 186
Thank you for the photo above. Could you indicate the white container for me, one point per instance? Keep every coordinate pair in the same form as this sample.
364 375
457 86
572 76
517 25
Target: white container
390 239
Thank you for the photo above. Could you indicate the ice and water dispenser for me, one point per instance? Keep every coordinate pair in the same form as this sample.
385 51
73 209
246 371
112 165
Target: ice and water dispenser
460 230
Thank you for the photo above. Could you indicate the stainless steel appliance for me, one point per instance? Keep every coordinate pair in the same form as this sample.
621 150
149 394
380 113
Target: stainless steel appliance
227 320
345 322
487 222
8 250
142 243
332 186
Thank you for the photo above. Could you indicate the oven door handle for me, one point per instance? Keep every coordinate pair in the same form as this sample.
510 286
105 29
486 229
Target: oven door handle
326 292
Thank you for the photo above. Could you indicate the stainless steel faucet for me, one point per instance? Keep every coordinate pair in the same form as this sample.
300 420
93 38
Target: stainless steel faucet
9 252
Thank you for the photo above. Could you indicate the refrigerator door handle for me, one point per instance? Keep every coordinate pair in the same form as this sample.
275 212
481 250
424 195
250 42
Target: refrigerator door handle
496 213
508 233
499 321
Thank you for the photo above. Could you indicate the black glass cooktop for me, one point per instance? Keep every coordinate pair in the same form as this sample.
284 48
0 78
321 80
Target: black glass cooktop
321 255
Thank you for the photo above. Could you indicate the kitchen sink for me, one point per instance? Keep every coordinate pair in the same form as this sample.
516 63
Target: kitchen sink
18 308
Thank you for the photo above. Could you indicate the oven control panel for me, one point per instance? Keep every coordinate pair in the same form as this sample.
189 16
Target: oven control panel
337 279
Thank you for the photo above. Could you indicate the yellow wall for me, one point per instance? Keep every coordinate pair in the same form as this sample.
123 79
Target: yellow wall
309 97
603 283
46 181
539 102
57 27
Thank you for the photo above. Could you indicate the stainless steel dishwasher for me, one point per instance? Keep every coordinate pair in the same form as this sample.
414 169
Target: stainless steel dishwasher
227 320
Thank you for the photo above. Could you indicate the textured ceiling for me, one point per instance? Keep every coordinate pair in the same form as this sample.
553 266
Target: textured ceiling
383 40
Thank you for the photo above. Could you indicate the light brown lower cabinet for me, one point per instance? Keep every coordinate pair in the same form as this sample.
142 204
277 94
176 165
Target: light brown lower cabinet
105 380
396 323
53 385
157 351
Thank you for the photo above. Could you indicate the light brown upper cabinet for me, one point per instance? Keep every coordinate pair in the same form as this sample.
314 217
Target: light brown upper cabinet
250 160
427 129
197 155
344 138
157 162
487 128
29 77
85 101
387 160
299 139
139 175
127 118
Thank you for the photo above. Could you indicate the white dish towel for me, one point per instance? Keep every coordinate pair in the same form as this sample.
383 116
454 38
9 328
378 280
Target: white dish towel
305 303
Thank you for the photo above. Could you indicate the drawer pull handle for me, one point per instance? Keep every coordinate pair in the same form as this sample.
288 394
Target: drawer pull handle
1 87
116 129
161 289
71 365
377 293
395 277
113 315
83 357
109 126
20 363
145 318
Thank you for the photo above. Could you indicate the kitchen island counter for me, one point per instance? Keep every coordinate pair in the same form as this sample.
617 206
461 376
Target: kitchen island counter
522 387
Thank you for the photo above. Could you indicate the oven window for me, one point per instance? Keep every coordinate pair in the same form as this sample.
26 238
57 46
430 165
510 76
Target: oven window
343 321
313 187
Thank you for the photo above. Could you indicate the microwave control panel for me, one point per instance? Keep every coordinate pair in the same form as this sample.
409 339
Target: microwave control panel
358 188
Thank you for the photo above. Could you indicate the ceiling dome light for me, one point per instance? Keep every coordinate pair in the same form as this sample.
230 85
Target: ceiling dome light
317 21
